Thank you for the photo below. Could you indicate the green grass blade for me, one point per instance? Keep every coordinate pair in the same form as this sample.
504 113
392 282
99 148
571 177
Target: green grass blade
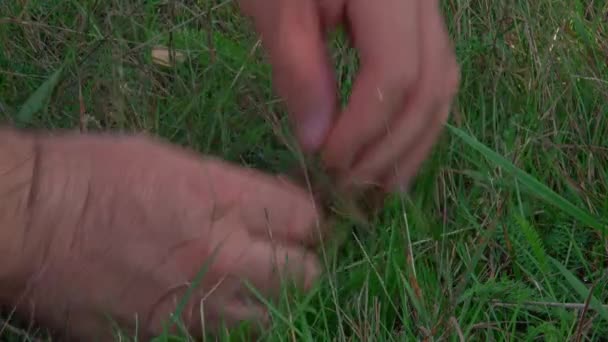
190 292
581 289
273 309
39 98
531 184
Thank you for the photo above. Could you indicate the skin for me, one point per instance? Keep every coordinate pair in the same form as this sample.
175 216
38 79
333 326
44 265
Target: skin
401 96
119 226
98 226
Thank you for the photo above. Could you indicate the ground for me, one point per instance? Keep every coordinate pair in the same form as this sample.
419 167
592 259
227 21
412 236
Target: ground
502 236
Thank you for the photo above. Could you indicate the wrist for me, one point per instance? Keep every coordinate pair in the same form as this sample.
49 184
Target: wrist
18 163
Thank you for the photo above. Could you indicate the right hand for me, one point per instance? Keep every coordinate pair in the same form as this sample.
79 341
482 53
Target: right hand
401 95
120 226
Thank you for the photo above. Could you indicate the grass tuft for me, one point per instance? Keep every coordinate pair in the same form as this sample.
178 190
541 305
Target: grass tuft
503 236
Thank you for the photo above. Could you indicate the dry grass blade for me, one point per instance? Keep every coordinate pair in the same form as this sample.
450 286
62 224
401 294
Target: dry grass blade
337 205
167 57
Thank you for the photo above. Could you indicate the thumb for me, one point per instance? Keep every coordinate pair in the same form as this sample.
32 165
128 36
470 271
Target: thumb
292 32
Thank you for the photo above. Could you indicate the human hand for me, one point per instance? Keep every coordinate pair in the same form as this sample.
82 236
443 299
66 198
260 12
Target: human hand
120 226
402 94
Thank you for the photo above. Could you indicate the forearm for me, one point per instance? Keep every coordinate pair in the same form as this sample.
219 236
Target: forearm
18 158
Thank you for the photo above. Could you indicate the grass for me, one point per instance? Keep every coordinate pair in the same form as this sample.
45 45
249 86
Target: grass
503 234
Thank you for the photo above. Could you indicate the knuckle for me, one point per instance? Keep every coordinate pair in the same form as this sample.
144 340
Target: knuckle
309 217
298 195
396 81
304 212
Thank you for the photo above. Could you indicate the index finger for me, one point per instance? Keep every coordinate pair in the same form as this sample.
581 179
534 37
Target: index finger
275 208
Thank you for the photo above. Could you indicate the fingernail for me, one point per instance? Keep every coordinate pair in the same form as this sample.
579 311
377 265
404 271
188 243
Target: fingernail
312 129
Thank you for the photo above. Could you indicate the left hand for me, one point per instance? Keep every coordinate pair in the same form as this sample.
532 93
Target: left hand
401 96
116 229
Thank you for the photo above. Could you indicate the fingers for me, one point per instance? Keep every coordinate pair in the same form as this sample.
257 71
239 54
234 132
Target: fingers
232 313
268 266
249 267
239 311
271 207
423 114
203 313
395 130
398 96
278 210
292 32
399 178
265 264
385 33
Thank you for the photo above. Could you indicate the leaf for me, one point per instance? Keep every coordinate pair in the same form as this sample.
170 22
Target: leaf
534 241
530 183
581 289
39 98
